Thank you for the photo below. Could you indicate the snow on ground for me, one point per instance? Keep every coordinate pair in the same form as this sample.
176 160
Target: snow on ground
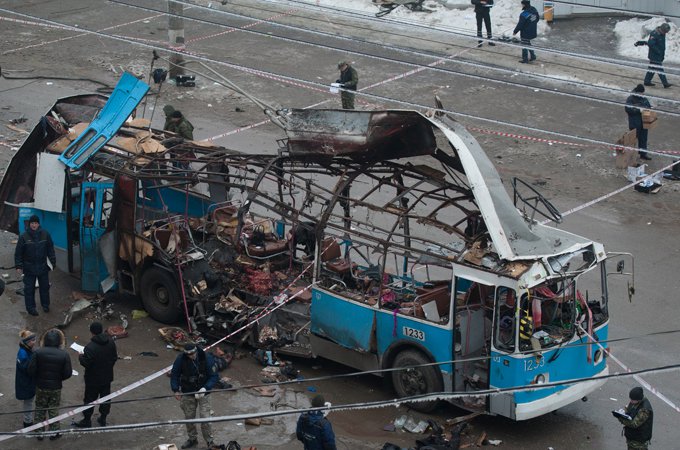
504 15
629 31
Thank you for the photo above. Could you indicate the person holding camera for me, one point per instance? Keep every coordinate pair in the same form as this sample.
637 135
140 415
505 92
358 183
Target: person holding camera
193 376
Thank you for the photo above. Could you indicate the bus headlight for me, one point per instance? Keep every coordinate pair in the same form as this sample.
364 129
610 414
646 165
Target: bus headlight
541 378
599 355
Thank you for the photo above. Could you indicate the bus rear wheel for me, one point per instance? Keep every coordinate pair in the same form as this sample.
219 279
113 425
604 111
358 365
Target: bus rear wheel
160 295
416 380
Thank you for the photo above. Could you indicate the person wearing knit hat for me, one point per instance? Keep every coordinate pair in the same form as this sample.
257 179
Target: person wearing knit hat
24 384
192 377
98 358
637 420
34 248
634 105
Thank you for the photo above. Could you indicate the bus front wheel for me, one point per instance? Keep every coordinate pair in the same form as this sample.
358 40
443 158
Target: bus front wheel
416 380
160 295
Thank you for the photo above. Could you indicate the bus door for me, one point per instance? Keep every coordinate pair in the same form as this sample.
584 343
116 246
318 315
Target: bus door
95 209
473 330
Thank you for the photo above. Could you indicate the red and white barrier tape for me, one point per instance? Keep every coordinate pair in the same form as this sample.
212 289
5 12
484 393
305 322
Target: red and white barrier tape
647 386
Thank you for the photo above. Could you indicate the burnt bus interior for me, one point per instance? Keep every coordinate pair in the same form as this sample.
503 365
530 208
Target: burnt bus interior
376 208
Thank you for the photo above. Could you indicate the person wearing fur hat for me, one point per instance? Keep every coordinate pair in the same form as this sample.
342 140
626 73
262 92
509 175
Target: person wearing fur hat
24 384
50 365
634 102
33 249
637 421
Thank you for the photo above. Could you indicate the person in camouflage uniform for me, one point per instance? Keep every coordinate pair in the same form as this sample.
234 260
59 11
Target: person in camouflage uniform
177 123
50 365
348 81
638 429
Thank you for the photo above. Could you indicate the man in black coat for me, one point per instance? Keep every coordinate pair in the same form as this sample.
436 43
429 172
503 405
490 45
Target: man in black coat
98 359
527 28
50 366
34 248
483 14
656 54
633 104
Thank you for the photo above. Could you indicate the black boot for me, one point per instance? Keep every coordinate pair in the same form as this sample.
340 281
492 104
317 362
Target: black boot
85 423
101 420
27 424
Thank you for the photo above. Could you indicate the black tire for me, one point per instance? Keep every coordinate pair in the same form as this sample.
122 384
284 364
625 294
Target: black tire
416 380
160 295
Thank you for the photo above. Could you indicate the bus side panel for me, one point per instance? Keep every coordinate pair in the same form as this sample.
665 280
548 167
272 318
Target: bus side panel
343 321
437 340
570 363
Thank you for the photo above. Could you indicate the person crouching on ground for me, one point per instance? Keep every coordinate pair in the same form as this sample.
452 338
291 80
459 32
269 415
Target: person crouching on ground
98 358
23 382
50 365
193 376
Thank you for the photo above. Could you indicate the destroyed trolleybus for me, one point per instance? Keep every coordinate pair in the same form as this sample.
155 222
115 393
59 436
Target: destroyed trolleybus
384 239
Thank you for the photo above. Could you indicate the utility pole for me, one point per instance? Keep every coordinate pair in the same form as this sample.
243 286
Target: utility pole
176 36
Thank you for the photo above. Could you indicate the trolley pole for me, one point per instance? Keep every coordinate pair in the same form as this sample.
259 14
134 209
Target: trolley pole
176 37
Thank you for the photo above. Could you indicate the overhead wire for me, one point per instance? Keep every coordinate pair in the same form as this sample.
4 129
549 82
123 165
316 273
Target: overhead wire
387 370
297 81
609 61
428 67
435 396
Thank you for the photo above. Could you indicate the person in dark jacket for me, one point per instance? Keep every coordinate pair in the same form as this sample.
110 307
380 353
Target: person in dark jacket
637 429
50 365
483 14
24 385
98 358
314 430
34 248
348 81
526 27
656 54
192 377
633 104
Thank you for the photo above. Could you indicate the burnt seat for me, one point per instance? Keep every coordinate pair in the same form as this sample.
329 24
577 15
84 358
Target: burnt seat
331 257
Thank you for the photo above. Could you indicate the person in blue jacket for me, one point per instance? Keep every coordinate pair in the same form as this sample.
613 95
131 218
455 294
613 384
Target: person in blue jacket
656 54
24 384
193 376
34 248
526 27
314 430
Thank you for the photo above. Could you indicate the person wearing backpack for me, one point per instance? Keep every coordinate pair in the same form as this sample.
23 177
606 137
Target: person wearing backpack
314 430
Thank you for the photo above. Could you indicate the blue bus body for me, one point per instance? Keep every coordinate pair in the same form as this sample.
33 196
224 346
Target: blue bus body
414 250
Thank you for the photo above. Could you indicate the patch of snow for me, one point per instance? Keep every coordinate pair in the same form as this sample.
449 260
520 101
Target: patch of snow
504 15
629 31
